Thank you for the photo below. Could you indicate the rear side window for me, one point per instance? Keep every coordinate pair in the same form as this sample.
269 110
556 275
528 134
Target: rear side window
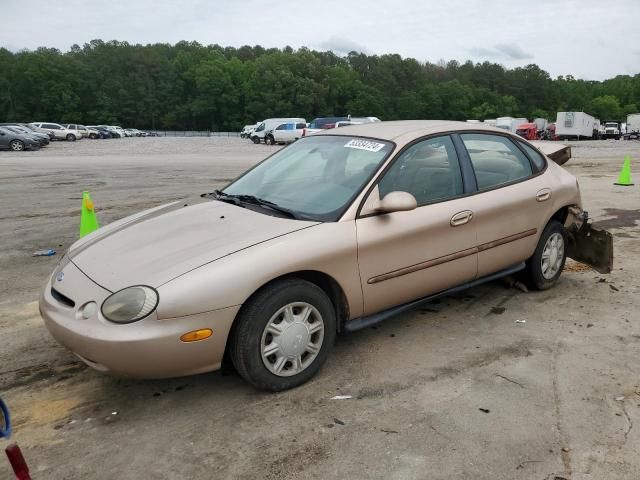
300 126
428 170
535 156
496 159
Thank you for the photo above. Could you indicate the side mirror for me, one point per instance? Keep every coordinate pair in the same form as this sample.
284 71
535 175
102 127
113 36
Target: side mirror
397 202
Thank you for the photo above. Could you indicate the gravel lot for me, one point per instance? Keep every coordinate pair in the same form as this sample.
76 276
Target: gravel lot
454 390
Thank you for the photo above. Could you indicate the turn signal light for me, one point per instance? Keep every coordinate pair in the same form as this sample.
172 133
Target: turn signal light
196 335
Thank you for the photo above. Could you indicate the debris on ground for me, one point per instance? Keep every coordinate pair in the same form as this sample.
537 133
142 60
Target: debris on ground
511 282
620 398
485 410
573 266
613 288
497 310
388 431
337 421
520 321
341 397
44 253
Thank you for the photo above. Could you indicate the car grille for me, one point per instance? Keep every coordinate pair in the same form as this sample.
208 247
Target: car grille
62 298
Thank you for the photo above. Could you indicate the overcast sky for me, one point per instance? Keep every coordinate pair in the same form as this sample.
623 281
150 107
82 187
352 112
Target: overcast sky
591 39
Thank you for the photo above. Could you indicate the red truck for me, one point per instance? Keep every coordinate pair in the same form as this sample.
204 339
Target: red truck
528 131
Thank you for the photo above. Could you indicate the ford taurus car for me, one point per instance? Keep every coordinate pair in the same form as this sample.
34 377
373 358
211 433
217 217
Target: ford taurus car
335 232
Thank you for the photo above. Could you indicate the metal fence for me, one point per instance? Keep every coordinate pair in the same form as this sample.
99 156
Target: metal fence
192 133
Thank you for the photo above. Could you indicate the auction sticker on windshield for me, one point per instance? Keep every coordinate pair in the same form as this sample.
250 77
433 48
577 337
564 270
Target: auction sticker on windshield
364 145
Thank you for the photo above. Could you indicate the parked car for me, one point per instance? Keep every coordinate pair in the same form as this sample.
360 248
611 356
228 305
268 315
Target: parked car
37 130
247 130
112 130
83 131
264 131
327 123
17 141
119 130
59 132
288 132
102 131
43 138
335 232
133 132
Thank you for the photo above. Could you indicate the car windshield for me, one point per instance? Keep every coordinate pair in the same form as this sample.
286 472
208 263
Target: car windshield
316 177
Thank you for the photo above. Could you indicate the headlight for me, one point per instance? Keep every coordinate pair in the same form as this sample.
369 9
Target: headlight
130 305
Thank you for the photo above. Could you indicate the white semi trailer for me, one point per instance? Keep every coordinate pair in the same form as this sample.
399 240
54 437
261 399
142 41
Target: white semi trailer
576 125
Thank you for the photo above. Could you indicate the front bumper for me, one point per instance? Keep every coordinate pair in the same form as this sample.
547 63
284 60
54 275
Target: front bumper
588 244
149 348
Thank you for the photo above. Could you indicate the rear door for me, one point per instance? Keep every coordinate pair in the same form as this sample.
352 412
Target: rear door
404 256
511 205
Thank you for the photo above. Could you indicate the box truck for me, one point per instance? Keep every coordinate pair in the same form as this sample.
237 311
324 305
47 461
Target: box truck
633 127
576 125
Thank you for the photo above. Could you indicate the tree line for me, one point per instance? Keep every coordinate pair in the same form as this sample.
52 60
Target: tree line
189 86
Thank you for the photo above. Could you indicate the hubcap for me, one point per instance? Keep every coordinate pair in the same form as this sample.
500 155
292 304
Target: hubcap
17 146
552 256
292 339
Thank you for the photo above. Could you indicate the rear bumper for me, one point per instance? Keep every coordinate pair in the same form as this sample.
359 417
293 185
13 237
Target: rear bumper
149 348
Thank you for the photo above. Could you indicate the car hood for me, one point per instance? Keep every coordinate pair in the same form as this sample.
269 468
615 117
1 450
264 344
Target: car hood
160 244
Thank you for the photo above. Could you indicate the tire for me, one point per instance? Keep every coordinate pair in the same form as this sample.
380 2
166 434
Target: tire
269 140
16 145
539 277
284 302
93 136
255 140
71 137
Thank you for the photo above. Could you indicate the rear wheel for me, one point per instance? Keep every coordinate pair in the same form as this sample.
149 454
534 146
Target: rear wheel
93 136
283 335
546 264
71 137
16 145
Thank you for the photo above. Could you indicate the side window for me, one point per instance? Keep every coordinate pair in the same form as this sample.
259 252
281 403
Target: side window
429 170
260 127
282 127
535 156
496 160
300 126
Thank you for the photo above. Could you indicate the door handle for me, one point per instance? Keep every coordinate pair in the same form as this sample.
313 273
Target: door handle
544 194
461 218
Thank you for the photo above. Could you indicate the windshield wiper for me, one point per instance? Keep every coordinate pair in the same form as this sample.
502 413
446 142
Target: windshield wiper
252 199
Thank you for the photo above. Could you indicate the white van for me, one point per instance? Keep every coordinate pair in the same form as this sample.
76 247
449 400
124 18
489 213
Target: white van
264 131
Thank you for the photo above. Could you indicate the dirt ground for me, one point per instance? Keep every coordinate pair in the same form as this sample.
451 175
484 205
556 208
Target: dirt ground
454 390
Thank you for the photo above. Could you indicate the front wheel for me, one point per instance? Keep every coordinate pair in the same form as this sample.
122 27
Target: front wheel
93 136
283 335
546 264
16 145
269 140
255 140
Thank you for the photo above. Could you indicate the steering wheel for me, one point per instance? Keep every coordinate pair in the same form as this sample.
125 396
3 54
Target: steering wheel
5 421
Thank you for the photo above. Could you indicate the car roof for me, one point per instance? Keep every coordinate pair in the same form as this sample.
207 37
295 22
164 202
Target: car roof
407 129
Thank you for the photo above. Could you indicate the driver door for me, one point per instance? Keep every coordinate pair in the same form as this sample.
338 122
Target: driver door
404 256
